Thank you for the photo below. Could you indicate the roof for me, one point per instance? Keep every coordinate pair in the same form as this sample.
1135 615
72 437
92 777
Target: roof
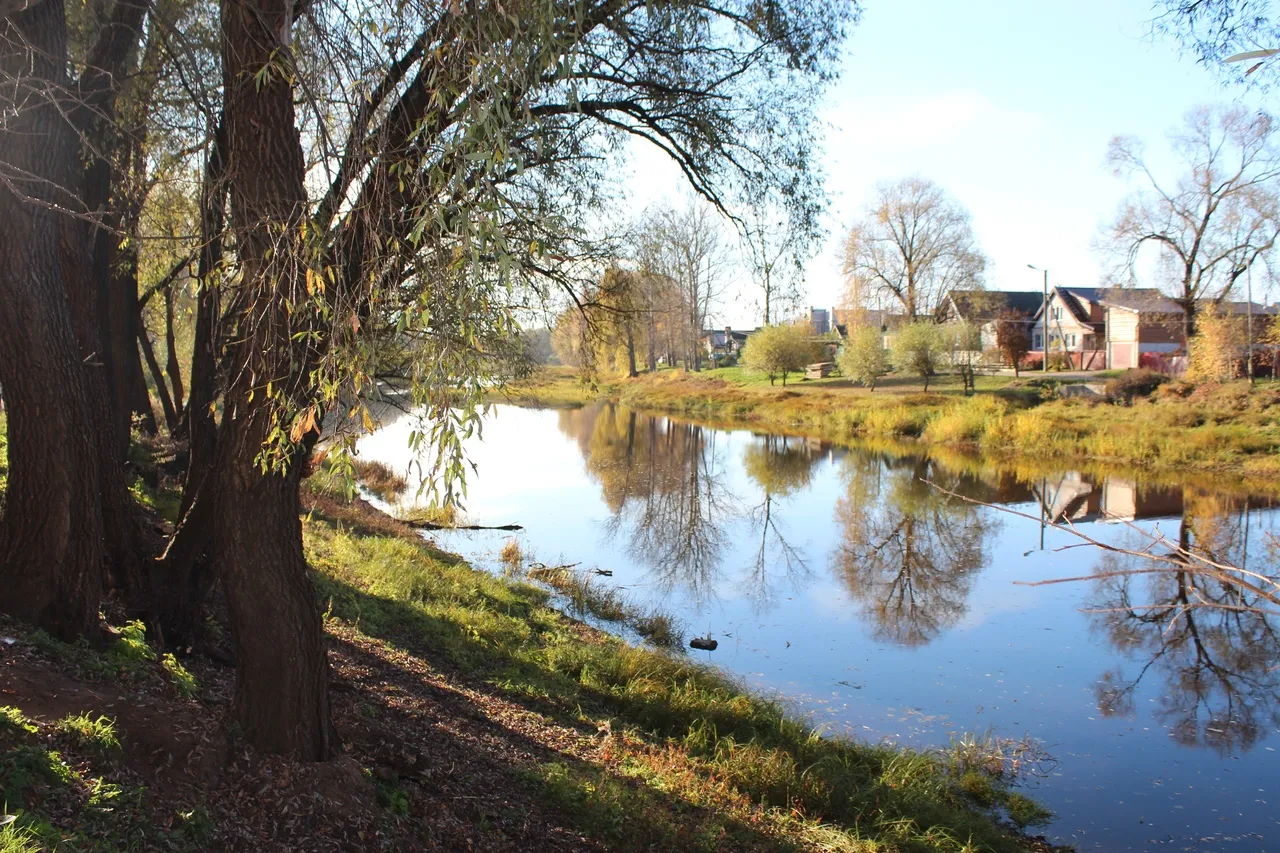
1078 298
989 304
853 317
1243 308
1141 299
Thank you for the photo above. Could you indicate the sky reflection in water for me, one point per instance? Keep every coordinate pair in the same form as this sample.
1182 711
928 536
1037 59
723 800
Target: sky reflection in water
885 608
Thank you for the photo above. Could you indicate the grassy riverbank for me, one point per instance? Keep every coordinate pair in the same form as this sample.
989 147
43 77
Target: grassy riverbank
1226 428
474 716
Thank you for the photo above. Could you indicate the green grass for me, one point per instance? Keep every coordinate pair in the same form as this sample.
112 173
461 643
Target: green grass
681 730
40 786
128 660
86 732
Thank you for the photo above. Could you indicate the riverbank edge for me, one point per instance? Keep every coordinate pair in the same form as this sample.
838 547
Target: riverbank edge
1227 431
688 727
475 716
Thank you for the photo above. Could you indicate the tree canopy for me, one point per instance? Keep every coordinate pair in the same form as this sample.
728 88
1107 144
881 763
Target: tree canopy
348 199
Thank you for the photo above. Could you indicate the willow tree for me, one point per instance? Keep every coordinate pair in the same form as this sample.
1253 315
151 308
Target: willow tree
408 180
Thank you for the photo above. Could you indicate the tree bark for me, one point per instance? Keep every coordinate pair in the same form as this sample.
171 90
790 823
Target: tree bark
171 360
282 673
162 390
51 534
200 427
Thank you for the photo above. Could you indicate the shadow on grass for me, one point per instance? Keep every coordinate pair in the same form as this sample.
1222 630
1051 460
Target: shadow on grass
502 634
491 774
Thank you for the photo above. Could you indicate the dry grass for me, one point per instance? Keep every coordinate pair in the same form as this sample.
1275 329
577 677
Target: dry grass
1227 428
511 555
378 478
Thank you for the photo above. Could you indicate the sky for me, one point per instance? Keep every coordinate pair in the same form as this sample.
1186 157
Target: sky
1010 107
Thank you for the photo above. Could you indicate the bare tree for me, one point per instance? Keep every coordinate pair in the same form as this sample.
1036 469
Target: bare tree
912 247
685 245
1221 216
774 252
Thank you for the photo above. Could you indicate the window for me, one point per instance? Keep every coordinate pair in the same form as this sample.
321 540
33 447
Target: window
1071 340
1037 344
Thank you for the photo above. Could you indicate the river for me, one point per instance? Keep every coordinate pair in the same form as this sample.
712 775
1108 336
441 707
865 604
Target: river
848 583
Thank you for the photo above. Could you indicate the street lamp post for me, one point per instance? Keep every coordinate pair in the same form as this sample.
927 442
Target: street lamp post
1044 321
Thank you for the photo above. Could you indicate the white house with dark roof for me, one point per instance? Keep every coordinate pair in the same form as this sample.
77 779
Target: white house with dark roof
1073 324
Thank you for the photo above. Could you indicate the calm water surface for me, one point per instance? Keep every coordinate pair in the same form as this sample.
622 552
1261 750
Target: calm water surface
842 581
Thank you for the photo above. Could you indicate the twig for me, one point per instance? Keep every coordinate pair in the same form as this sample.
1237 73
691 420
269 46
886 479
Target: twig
1178 560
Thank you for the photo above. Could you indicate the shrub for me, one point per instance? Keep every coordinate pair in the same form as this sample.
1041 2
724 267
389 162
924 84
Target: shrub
966 423
511 554
379 479
862 358
183 680
1176 389
778 350
1216 348
1134 383
13 721
919 348
1013 339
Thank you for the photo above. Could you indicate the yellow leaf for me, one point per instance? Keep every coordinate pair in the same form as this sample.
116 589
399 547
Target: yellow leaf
303 425
368 421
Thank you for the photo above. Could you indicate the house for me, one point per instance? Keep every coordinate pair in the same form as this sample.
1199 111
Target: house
1073 324
1141 322
1146 328
983 308
819 321
844 320
719 344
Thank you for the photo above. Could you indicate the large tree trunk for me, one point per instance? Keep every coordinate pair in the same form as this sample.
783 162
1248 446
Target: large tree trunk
282 700
51 545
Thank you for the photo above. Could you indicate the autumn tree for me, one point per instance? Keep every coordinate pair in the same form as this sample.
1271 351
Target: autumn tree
685 246
1213 222
1012 337
608 325
779 350
398 184
1217 349
919 348
863 358
912 246
776 247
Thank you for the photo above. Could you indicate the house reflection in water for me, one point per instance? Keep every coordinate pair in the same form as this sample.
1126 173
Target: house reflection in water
1070 497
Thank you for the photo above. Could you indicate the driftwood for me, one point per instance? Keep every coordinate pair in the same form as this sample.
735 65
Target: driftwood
705 643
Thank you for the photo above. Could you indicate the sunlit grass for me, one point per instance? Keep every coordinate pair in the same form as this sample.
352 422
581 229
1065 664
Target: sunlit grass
1178 427
680 727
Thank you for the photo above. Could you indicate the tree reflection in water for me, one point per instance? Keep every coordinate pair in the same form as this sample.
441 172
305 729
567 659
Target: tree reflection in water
781 467
666 484
1211 643
909 553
